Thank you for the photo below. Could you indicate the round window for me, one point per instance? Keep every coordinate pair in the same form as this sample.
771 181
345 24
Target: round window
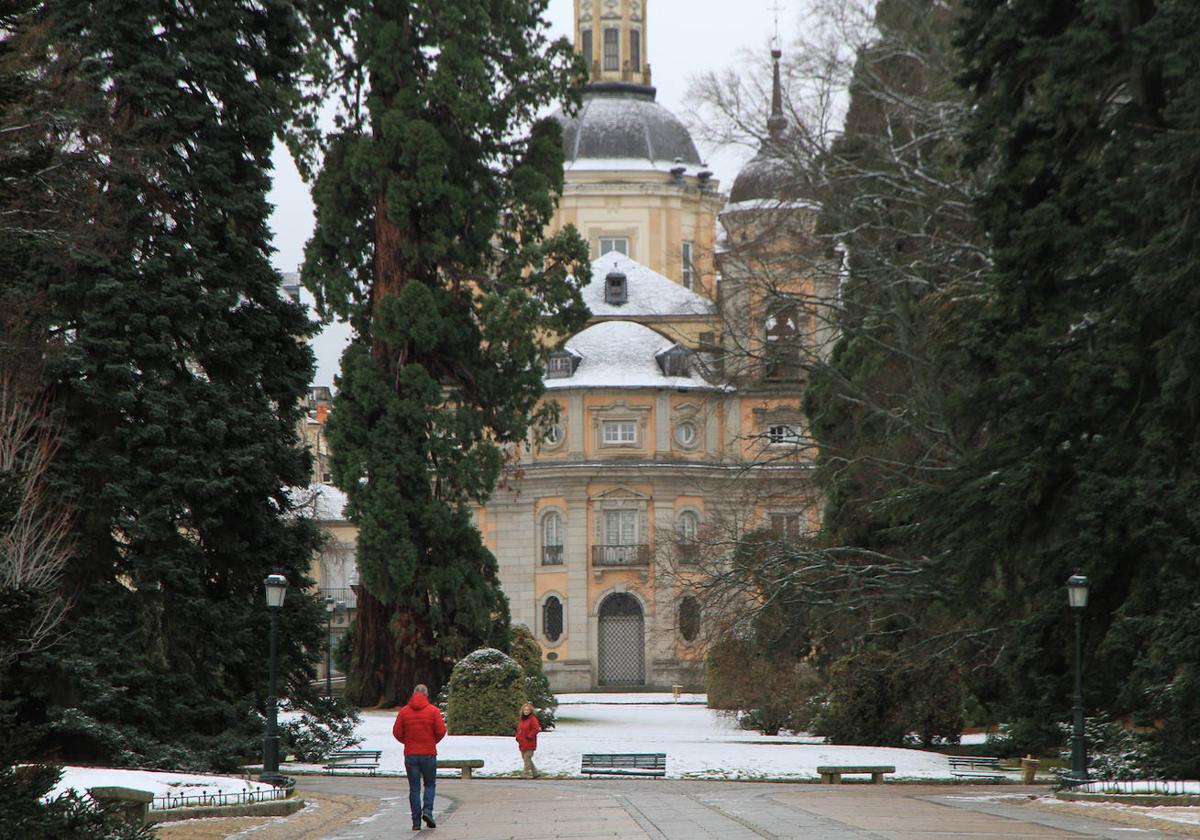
686 434
552 436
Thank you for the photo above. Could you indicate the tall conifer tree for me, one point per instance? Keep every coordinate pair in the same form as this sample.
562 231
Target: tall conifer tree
432 199
177 377
1087 114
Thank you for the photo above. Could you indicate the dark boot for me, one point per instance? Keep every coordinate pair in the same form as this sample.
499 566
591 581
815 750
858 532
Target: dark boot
429 820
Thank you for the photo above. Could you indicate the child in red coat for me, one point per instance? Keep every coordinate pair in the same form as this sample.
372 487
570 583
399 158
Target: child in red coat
527 732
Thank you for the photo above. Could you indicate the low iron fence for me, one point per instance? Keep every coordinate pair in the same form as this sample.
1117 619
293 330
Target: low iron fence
200 800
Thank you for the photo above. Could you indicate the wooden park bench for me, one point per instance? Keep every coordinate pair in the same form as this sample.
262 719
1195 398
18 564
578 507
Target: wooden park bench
832 774
466 765
352 760
624 764
975 766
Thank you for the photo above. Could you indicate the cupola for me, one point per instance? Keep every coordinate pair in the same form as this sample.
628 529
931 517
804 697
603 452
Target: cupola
611 36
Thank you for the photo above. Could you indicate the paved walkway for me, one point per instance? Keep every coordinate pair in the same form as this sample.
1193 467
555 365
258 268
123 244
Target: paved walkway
494 809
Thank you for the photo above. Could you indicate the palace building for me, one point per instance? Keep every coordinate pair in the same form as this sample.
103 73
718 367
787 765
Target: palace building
678 405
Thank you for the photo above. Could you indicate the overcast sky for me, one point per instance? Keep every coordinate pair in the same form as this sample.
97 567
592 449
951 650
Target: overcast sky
685 38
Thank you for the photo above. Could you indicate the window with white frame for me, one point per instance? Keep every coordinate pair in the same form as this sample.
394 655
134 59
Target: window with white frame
686 434
552 539
620 527
619 432
620 244
783 434
559 365
688 272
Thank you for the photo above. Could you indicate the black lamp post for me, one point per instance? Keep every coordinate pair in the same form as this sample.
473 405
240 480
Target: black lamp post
1077 596
331 607
276 586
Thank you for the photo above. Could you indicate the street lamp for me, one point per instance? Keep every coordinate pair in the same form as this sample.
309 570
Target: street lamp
1077 597
331 607
276 588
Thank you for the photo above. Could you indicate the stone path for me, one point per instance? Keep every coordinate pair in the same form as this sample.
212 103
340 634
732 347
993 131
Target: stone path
494 809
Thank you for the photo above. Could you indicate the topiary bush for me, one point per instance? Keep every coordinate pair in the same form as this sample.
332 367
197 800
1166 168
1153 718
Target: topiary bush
487 688
528 654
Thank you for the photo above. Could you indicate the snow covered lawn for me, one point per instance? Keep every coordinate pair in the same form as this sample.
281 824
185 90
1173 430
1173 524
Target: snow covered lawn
699 743
158 782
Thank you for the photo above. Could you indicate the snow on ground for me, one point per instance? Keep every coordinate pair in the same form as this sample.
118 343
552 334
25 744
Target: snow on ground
699 743
630 698
160 783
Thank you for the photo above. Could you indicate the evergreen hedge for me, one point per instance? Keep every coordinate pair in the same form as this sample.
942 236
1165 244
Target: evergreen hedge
487 688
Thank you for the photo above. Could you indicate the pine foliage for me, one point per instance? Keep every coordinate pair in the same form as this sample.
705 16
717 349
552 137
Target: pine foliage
433 193
177 374
1088 408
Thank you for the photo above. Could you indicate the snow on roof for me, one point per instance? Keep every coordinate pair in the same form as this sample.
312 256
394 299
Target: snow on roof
621 354
647 291
630 164
759 204
320 501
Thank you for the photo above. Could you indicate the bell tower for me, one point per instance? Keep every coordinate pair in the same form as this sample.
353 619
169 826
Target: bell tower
611 35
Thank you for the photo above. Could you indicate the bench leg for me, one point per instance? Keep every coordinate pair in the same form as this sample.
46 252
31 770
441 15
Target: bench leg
831 778
876 778
466 772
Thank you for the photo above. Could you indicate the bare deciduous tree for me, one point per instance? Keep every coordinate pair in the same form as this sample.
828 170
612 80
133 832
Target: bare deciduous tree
35 526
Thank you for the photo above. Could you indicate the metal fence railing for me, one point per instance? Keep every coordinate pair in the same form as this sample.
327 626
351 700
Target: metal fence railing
1172 787
343 594
162 803
620 555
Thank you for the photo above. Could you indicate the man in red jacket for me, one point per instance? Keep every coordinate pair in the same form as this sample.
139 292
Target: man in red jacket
419 726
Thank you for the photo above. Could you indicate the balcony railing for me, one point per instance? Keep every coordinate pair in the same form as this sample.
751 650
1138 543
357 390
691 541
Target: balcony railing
620 555
345 595
687 552
552 555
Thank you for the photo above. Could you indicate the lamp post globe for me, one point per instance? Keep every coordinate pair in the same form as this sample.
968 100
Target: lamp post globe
1077 598
276 589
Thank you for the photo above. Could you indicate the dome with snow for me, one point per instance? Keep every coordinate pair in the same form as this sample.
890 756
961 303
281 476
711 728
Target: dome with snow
622 354
620 126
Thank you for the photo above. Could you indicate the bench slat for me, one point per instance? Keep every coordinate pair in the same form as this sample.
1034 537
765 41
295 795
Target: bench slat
624 764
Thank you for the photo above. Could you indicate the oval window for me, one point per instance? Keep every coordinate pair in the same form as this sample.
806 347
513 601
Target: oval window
686 434
552 619
689 618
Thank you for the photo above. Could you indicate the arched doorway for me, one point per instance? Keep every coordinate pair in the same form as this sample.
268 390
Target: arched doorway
622 641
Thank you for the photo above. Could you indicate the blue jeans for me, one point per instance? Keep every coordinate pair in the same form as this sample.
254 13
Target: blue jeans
420 768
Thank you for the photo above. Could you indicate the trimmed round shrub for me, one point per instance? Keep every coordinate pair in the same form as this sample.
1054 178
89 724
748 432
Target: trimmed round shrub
528 654
487 688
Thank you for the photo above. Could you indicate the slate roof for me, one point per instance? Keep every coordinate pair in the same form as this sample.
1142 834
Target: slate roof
621 122
622 354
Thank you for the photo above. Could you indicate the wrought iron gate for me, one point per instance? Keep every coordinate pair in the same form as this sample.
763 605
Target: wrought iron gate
622 640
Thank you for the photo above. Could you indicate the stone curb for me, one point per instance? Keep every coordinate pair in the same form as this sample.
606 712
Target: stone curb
276 808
